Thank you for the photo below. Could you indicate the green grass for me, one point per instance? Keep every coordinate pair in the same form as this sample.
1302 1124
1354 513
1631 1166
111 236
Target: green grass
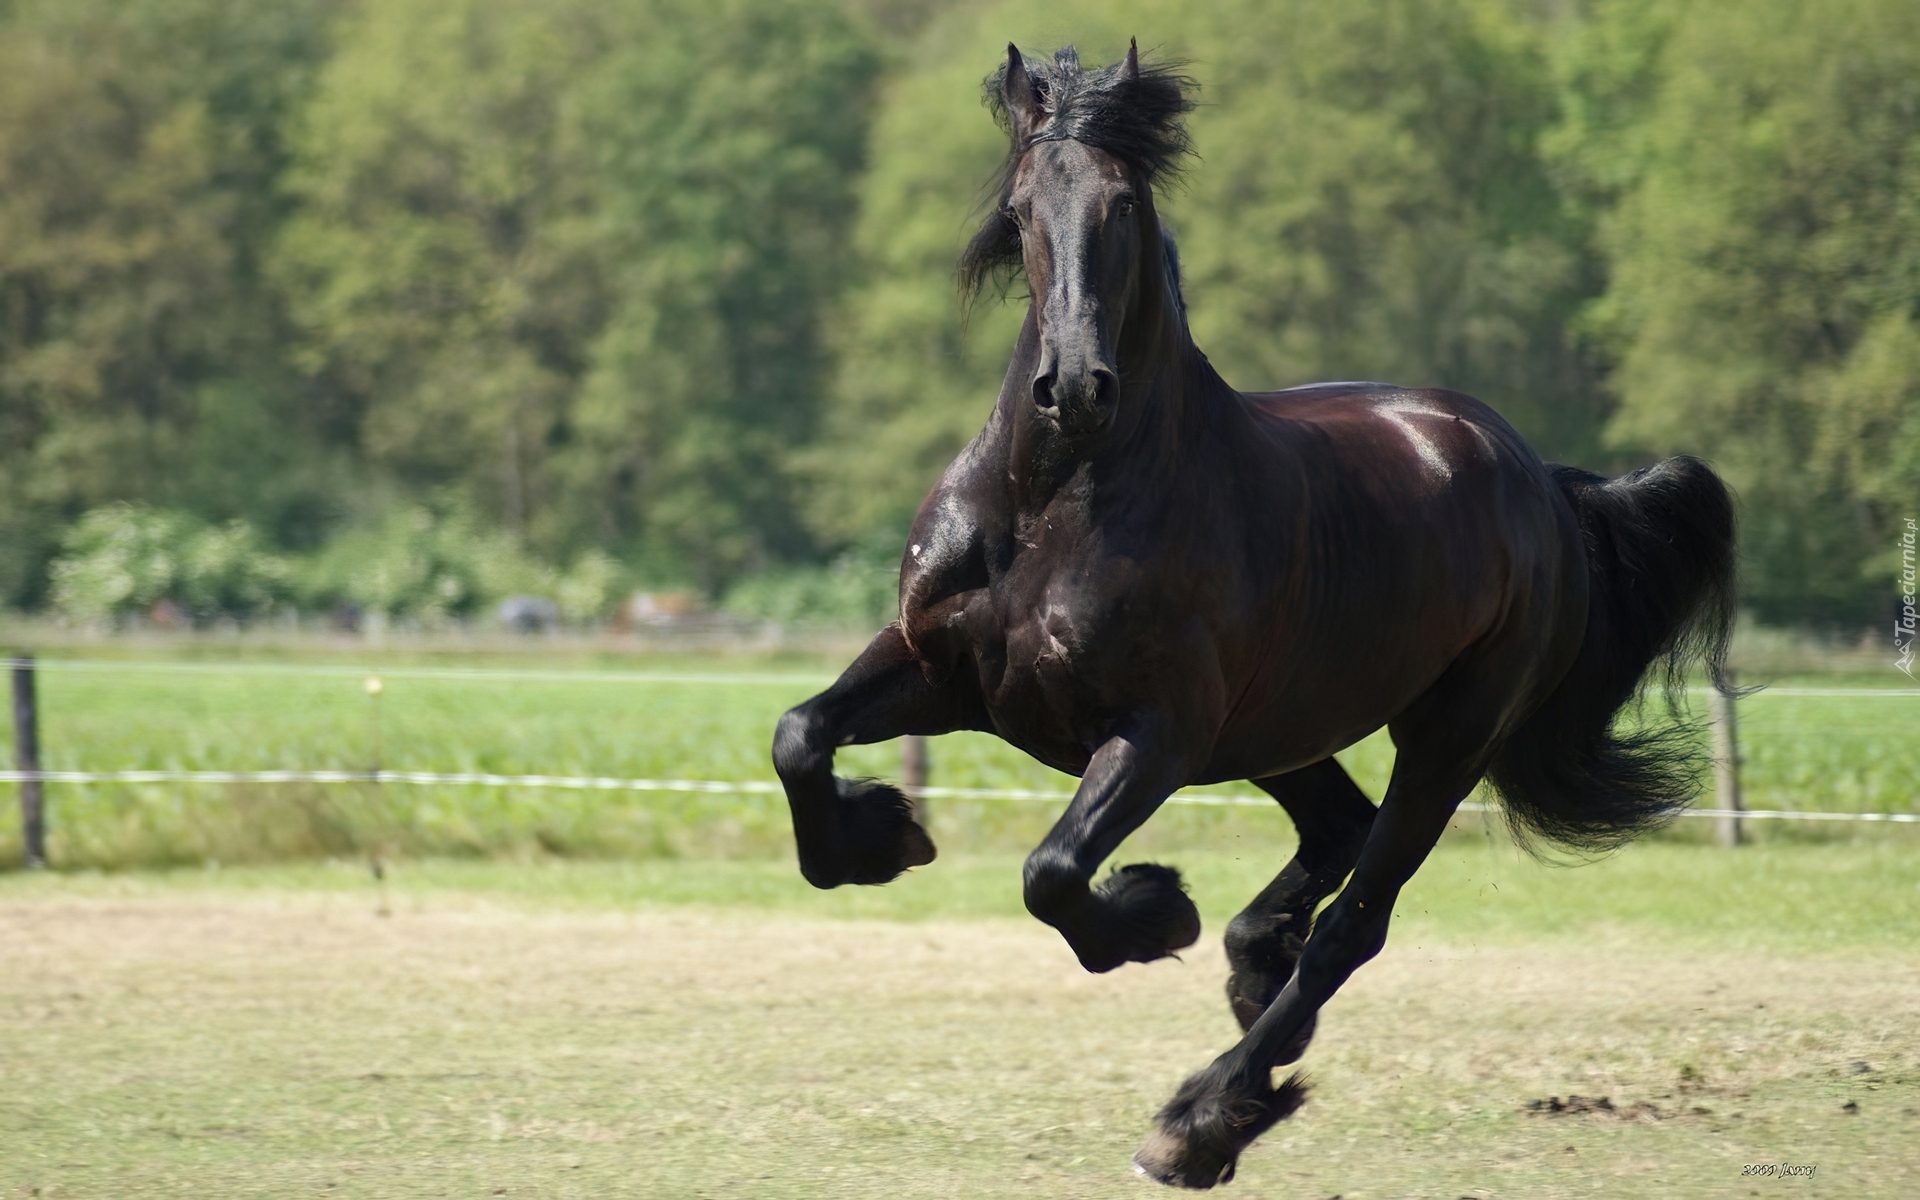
552 993
1769 898
565 714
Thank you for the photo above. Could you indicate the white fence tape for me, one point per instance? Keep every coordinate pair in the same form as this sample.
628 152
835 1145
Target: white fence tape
476 674
605 783
758 679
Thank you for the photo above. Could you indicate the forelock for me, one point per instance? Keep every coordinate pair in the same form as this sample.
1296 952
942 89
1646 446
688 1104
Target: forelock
1138 120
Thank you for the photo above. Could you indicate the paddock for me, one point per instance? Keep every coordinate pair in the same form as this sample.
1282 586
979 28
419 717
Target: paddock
700 1029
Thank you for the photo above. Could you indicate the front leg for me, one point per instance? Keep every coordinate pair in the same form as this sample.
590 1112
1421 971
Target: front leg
1140 912
863 831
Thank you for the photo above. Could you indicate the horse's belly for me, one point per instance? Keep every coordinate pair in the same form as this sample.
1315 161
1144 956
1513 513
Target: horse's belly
1330 700
1277 742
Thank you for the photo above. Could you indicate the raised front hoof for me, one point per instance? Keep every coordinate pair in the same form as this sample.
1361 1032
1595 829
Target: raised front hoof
1140 913
877 837
1205 1127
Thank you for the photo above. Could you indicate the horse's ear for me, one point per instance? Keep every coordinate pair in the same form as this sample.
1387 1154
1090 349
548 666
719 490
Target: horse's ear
1024 113
1130 70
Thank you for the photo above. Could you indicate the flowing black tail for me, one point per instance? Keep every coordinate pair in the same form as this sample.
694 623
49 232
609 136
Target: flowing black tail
1660 558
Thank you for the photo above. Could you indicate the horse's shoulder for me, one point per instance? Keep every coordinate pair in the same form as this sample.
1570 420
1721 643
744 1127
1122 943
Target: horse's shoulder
947 553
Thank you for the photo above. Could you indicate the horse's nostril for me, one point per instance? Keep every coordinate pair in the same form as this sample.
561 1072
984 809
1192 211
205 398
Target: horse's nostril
1043 390
1106 388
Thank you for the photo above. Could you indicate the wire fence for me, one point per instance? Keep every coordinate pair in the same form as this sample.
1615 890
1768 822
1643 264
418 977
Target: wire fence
756 678
756 787
29 775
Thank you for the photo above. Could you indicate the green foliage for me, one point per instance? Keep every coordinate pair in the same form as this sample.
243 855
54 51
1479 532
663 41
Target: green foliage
730 137
1373 206
428 260
430 568
571 259
125 559
411 565
140 148
665 290
1760 162
850 593
917 376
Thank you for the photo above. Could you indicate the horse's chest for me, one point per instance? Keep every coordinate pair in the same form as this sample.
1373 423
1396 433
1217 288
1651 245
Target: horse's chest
1051 645
1057 668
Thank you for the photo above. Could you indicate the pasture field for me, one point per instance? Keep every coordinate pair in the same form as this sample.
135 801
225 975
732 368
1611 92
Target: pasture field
700 716
678 1028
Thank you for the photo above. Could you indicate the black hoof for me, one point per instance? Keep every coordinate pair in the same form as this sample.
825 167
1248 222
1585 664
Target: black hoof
1141 913
1208 1123
877 837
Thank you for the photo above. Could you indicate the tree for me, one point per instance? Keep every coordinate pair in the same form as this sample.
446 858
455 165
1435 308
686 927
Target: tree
428 261
730 137
1759 163
139 344
569 259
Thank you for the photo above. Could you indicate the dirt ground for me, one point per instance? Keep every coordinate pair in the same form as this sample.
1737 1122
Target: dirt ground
302 1044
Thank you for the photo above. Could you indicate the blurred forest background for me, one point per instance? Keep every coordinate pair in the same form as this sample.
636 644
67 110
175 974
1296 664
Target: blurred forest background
411 306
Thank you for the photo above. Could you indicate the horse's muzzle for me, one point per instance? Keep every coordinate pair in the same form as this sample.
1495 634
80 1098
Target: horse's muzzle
1081 403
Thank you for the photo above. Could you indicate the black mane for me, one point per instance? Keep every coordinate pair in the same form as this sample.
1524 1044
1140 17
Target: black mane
1137 120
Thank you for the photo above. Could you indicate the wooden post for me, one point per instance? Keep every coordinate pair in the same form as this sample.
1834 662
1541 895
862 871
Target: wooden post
26 757
1726 767
913 771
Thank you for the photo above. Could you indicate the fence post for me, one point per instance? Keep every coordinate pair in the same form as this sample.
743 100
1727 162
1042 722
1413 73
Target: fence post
1726 766
913 771
26 757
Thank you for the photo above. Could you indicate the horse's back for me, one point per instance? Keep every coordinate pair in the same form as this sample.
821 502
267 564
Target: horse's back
1424 455
1365 409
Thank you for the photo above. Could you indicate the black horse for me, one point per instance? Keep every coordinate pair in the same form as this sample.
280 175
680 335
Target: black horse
1140 576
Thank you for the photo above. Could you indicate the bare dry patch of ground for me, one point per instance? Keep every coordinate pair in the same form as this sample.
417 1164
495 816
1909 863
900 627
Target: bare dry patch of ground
289 1044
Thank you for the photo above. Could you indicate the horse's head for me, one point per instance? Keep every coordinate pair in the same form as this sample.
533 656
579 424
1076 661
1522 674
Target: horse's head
1075 214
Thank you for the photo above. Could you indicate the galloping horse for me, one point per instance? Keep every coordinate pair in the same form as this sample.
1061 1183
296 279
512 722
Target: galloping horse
1140 576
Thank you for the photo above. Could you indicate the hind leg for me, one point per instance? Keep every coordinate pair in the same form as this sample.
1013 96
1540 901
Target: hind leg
1444 742
1219 1111
1264 942
863 831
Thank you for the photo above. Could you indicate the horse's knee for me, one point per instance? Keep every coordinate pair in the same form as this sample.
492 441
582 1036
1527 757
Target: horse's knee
1258 934
800 748
1262 947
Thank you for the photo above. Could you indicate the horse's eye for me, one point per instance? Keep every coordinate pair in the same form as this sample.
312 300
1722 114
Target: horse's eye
1126 206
